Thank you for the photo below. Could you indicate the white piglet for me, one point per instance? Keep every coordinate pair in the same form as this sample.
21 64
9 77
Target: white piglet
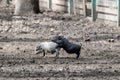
51 47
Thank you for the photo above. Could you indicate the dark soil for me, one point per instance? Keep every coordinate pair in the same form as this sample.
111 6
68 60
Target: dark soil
19 35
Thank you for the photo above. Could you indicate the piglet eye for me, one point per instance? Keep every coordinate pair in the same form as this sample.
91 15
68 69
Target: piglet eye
60 37
38 48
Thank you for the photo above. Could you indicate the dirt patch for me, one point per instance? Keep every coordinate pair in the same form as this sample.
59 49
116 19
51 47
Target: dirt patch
19 35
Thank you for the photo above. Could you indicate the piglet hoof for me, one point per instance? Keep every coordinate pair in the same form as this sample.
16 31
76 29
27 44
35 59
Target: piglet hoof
77 57
55 58
43 56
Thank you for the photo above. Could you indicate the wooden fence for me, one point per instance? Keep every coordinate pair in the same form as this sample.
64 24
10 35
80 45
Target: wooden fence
103 9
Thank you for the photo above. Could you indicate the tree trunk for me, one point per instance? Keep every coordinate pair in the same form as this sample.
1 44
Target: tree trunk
35 4
26 6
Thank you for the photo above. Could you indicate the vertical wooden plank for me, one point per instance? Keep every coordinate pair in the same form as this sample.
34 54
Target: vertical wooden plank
118 14
74 7
70 7
93 10
49 4
84 8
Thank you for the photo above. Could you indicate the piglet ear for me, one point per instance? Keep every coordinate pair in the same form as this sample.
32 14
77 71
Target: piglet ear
60 37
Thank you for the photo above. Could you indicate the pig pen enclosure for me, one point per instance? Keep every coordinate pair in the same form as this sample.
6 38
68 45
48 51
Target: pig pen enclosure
19 35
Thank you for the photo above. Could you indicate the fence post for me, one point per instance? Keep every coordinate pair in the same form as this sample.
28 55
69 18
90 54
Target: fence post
8 1
70 6
74 7
118 13
93 10
49 4
84 8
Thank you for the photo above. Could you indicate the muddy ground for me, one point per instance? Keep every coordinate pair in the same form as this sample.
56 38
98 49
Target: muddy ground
100 54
